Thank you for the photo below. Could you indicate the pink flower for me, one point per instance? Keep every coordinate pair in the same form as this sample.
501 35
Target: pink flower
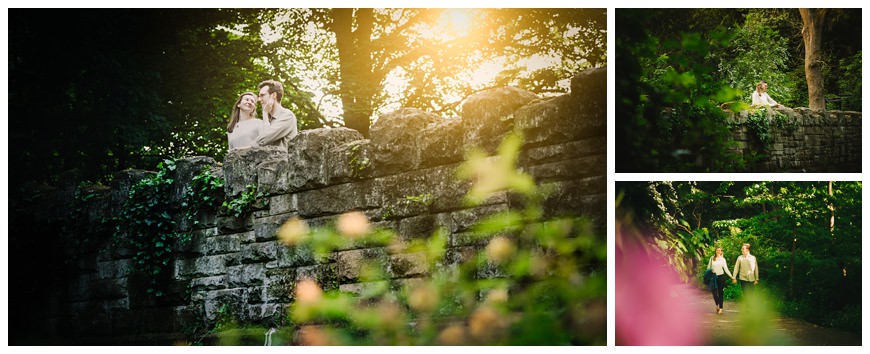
652 306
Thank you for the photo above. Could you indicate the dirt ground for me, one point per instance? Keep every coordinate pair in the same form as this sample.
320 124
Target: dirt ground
778 330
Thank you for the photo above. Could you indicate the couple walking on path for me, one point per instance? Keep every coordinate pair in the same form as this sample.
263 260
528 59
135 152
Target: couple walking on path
745 270
277 127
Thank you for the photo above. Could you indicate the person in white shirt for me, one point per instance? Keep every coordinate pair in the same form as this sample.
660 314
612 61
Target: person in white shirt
719 266
746 270
760 96
279 125
244 127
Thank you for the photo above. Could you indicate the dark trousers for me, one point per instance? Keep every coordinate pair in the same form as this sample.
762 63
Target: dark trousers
719 292
746 286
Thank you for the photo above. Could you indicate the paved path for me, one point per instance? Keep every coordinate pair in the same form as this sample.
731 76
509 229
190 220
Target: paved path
780 329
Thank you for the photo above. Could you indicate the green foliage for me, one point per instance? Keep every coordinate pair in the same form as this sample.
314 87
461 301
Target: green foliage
758 52
668 115
359 164
147 227
848 84
206 193
243 204
538 281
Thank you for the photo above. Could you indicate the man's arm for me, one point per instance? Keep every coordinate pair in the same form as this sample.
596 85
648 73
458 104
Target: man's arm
756 270
736 268
282 125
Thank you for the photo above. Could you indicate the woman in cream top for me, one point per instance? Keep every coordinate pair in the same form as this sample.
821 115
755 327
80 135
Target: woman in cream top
244 127
760 96
719 266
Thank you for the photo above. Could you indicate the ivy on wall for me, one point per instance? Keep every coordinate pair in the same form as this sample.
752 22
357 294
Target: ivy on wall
147 226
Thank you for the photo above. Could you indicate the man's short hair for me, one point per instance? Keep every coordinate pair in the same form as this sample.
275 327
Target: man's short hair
274 87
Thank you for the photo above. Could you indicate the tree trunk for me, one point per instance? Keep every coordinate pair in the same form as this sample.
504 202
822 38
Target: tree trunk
791 270
813 21
358 85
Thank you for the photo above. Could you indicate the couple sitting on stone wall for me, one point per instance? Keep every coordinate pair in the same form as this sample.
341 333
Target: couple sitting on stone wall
277 127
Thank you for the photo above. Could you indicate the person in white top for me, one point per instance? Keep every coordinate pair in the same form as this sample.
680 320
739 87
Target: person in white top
244 127
719 266
760 96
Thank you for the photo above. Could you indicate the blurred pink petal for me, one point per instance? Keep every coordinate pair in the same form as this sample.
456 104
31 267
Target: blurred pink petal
651 307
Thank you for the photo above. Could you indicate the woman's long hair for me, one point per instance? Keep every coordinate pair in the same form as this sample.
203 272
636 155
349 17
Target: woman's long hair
234 118
758 86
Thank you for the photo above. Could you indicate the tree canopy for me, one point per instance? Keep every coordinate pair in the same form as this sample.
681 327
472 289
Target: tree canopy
112 89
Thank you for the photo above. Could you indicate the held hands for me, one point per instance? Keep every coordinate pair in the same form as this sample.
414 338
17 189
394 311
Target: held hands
734 280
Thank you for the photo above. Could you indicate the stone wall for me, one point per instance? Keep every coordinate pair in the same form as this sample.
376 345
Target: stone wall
801 141
237 266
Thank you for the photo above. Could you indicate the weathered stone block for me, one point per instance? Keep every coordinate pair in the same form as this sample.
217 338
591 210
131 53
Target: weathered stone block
240 166
225 302
308 156
394 140
441 143
550 153
272 176
325 275
418 227
584 197
349 161
350 262
280 285
337 199
229 224
560 119
207 265
570 169
360 288
185 170
487 116
295 256
265 228
463 220
208 283
246 275
285 203
220 244
261 252
408 265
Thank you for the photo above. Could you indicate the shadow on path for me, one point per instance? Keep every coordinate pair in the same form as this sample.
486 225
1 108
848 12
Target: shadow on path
726 326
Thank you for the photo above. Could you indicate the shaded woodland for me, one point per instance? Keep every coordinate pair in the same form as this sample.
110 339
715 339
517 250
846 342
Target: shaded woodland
678 68
805 235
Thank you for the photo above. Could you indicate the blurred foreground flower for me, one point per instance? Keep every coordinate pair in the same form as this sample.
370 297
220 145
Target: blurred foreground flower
293 231
354 224
312 335
500 249
308 292
452 335
648 309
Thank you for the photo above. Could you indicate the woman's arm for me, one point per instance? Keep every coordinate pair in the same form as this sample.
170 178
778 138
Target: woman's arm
726 269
